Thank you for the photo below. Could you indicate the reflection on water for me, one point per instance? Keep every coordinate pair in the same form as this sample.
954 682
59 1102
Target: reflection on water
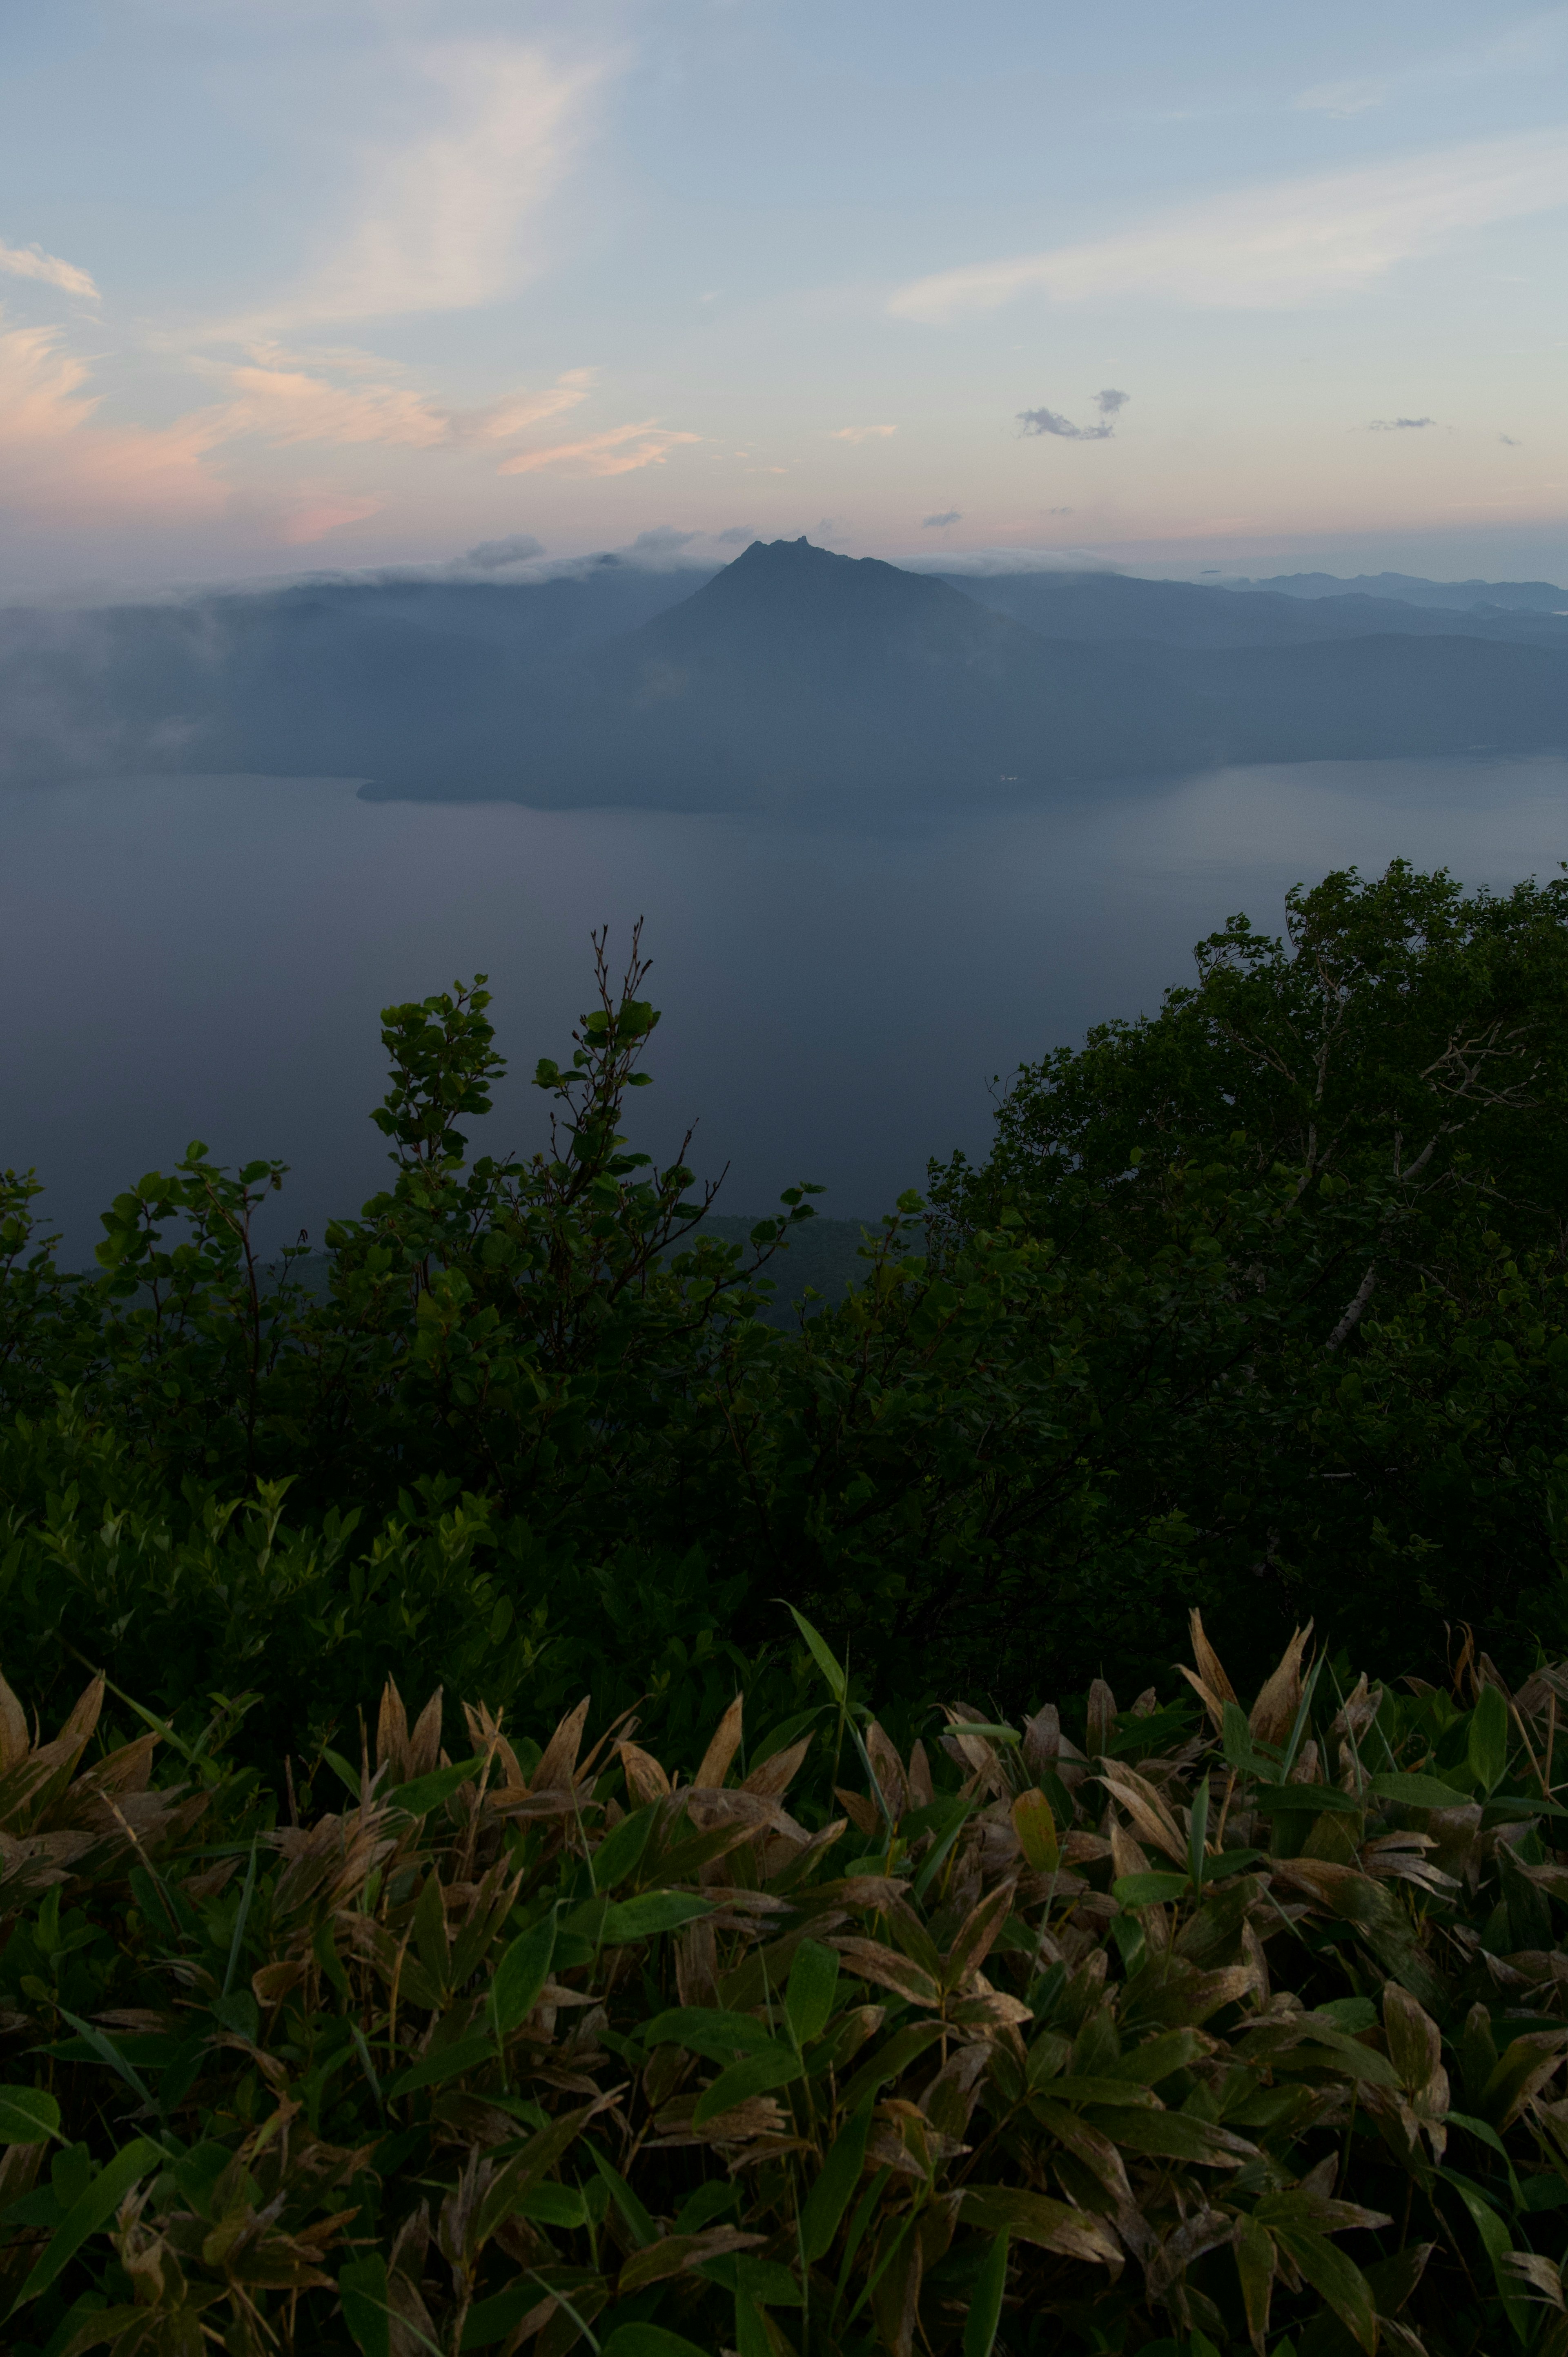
205 957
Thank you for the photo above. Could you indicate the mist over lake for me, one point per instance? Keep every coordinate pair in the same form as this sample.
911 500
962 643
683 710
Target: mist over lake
205 957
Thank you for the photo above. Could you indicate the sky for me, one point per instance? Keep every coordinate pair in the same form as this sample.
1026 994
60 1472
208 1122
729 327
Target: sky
304 286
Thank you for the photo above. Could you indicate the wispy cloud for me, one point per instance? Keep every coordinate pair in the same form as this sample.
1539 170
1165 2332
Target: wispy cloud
1535 45
32 262
452 218
59 462
311 515
1281 245
281 397
860 433
939 522
1110 404
620 451
1398 425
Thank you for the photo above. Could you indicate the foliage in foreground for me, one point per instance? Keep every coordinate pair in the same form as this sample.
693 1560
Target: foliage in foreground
1207 2029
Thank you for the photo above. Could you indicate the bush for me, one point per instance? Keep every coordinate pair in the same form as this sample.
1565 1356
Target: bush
1259 1305
1208 2028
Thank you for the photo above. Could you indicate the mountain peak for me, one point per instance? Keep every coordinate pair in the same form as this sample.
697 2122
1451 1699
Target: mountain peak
793 584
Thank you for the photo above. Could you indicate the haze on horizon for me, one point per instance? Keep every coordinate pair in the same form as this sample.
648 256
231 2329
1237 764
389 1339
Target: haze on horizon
375 281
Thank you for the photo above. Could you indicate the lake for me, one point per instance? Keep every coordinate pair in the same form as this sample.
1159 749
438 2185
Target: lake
205 957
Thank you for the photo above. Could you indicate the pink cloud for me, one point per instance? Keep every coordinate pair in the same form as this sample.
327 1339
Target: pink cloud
620 451
321 512
56 461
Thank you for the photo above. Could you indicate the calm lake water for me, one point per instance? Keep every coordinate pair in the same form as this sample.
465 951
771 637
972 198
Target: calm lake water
205 957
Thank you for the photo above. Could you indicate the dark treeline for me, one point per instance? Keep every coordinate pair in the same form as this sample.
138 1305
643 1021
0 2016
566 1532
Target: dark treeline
1258 1304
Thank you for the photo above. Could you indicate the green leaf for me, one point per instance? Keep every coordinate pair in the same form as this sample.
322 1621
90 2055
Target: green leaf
649 1912
521 1974
28 2115
92 2210
814 1984
700 2029
1171 2135
1321 1799
553 2205
831 2196
1148 1889
342 1771
447 2062
985 2301
362 2289
643 2229
774 2066
618 1854
1487 1749
1338 2279
426 1793
838 1685
1417 1791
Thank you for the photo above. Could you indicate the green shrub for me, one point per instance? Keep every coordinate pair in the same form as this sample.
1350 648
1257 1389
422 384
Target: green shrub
1259 1305
1210 2029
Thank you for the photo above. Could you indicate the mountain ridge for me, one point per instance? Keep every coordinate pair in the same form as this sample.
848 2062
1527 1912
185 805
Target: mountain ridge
791 673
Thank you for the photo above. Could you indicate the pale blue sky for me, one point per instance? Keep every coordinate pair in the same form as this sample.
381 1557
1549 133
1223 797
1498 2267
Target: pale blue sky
291 286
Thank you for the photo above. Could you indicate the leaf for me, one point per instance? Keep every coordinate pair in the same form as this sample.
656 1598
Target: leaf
28 2115
1417 1791
643 2229
91 2211
362 2289
1157 2057
976 1935
985 2301
700 2029
814 1984
427 1793
1321 1800
1148 1889
1037 1830
1036 2218
620 1851
1487 1746
834 2189
1175 2135
1338 2279
869 1960
774 2066
520 1976
838 1685
447 2062
649 1912
1254 2253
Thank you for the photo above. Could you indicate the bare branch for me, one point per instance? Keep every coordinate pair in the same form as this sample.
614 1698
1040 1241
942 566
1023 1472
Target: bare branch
1352 1318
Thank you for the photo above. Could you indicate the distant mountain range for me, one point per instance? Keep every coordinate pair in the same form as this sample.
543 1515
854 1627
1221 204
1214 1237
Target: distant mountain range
791 673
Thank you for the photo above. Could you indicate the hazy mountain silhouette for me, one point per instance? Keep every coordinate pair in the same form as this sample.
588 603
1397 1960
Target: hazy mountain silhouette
1110 606
798 672
1523 596
793 673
